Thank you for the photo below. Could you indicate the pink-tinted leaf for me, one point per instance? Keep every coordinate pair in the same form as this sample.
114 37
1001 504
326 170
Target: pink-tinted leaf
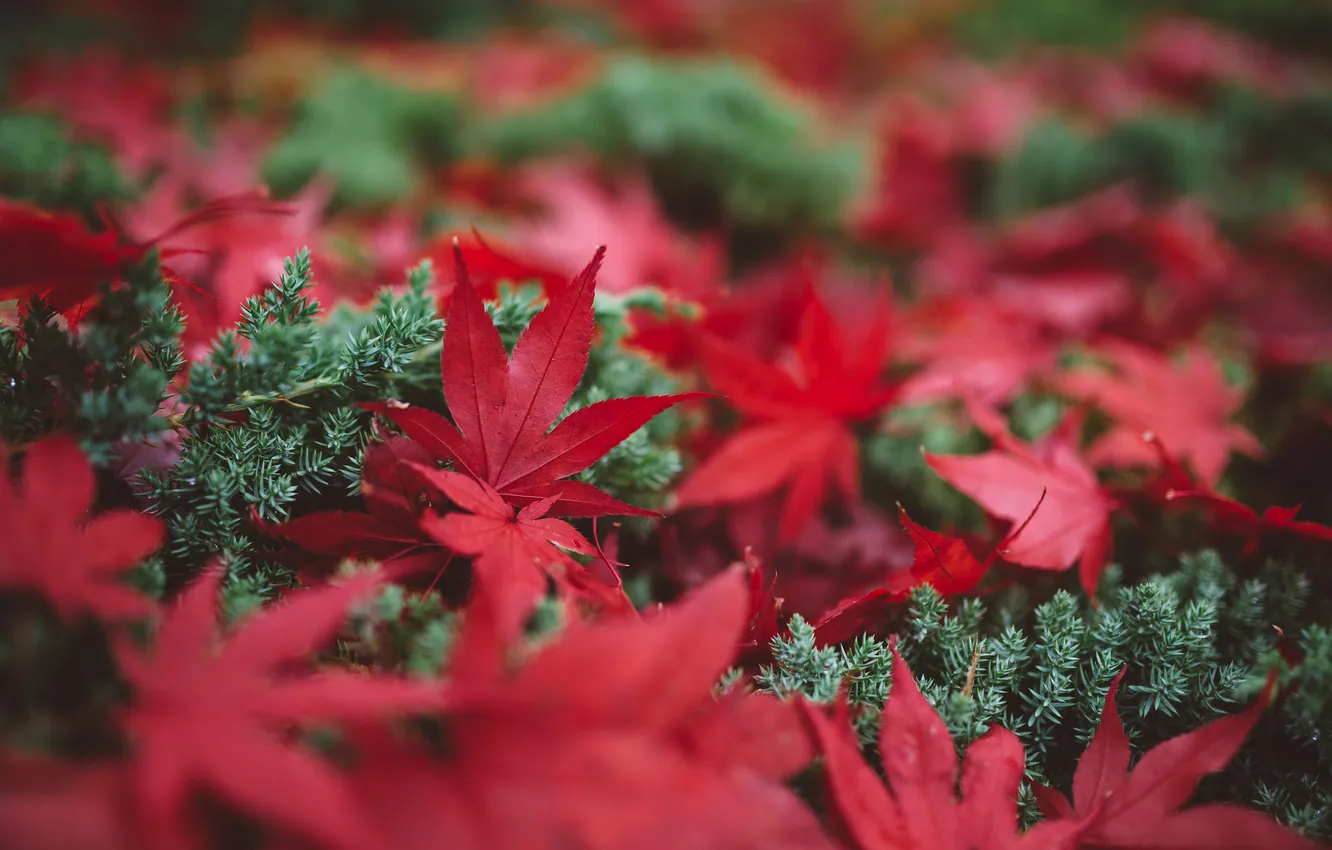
46 548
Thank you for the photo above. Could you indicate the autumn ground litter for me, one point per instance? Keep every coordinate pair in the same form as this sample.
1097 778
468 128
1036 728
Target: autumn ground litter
631 425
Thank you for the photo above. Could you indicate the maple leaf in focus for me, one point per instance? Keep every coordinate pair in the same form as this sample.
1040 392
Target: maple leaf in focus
389 530
1187 404
513 554
502 407
208 716
920 807
802 436
47 546
578 211
1114 808
1073 523
607 737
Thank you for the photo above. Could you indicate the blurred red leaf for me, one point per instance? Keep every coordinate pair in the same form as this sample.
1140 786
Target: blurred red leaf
209 717
1188 404
607 737
48 545
802 436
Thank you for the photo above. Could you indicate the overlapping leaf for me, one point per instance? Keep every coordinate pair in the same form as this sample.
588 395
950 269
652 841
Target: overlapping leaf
801 436
503 407
210 718
1073 524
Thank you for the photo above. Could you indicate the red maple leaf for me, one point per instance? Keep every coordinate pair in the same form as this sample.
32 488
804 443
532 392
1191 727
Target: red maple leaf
1187 404
944 562
802 436
1073 524
1117 809
920 807
577 211
513 553
608 737
970 347
488 263
47 545
208 717
56 255
504 406
394 496
1177 485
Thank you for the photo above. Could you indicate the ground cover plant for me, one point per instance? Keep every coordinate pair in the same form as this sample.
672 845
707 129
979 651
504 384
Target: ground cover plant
659 424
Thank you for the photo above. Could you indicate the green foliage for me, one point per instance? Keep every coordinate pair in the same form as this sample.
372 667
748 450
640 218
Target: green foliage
103 380
718 147
42 165
1196 643
1055 164
998 26
370 138
402 631
272 423
271 415
1244 157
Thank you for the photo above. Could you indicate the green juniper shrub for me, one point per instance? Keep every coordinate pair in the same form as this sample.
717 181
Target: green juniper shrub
1196 642
719 148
